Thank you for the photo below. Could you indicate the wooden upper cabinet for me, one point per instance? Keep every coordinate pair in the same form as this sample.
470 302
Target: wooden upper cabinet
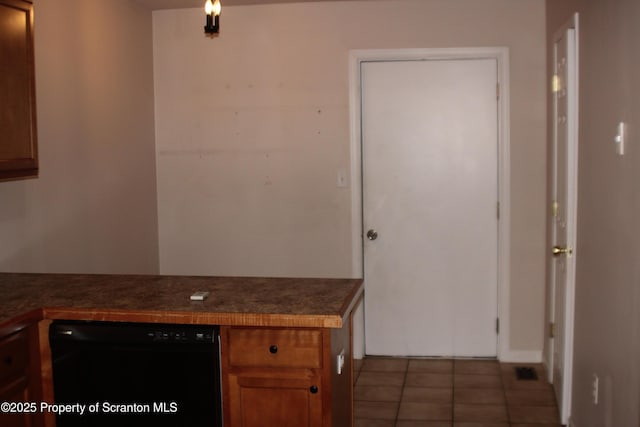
18 140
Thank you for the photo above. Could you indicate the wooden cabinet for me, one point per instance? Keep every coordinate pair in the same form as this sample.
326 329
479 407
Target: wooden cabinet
282 377
22 376
282 399
286 343
15 378
18 141
275 348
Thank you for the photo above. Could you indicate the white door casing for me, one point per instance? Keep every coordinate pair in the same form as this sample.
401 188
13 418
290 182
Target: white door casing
564 214
455 320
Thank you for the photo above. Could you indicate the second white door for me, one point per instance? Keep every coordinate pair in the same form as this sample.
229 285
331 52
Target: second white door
563 222
430 202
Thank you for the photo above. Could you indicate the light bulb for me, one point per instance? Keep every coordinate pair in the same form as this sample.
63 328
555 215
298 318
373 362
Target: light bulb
216 8
208 7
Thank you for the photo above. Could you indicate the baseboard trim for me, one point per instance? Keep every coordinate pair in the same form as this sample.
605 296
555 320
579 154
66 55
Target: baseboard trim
517 356
509 357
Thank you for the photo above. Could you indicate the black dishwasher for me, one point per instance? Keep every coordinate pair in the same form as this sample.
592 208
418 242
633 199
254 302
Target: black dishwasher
133 374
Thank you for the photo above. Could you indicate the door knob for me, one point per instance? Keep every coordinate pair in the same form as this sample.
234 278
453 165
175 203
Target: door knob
559 250
372 234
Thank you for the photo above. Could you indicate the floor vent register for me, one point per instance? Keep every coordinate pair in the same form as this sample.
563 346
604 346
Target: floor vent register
526 373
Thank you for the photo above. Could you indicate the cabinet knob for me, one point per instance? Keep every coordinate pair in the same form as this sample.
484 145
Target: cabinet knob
273 349
313 389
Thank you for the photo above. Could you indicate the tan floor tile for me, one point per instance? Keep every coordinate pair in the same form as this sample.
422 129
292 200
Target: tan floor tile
418 423
480 413
380 378
509 367
359 422
356 375
477 381
427 395
450 393
378 393
375 410
465 424
515 384
477 367
425 411
384 364
535 425
533 414
434 366
415 379
526 397
482 396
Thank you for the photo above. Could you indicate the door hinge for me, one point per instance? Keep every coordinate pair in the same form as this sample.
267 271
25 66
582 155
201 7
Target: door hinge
554 208
498 91
497 325
498 210
555 83
552 330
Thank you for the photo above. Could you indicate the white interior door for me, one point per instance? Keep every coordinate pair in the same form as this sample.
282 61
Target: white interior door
563 216
430 192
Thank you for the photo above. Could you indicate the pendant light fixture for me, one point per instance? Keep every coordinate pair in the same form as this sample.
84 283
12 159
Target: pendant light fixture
212 9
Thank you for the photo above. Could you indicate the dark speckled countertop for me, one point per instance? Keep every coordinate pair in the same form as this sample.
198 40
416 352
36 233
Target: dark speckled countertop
247 301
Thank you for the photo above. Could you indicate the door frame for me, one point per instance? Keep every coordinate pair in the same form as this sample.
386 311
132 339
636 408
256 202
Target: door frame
572 222
501 55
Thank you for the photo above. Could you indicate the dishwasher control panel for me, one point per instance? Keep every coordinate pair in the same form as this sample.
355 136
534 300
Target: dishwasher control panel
127 332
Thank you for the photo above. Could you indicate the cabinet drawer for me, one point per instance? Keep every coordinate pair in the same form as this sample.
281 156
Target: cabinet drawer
286 348
13 356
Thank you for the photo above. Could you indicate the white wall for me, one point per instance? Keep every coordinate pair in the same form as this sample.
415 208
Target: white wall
93 208
607 311
252 128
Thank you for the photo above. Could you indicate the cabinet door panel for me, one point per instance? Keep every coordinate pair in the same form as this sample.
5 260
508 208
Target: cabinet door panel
15 391
281 402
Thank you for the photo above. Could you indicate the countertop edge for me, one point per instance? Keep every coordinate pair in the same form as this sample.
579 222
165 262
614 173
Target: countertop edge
195 318
336 318
354 299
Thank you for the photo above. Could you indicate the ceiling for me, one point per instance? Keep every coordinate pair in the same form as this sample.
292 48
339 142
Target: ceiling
183 4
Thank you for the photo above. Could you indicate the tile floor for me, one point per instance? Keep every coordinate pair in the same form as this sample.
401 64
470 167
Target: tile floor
398 392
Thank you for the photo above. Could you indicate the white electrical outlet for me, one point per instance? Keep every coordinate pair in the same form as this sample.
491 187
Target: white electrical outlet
340 362
594 388
620 138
